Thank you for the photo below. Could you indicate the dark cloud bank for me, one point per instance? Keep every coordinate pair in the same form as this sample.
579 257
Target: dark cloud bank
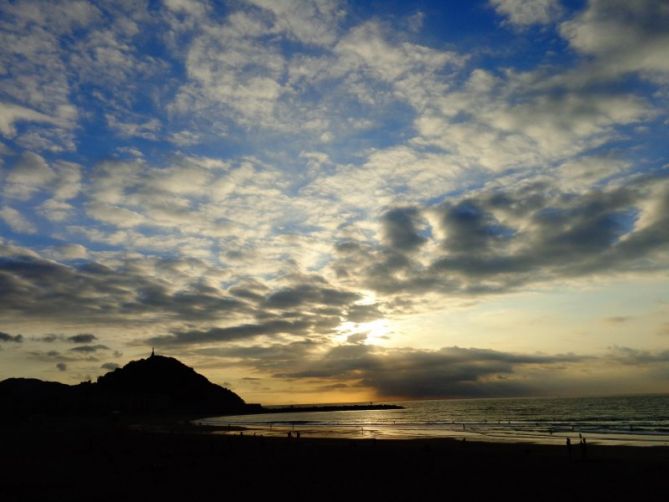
501 239
493 241
405 373
6 337
448 372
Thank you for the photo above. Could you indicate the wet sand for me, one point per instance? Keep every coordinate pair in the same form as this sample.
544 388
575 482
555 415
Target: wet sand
90 460
469 432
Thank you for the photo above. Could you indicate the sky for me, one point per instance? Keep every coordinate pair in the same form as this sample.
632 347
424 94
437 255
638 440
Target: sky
338 201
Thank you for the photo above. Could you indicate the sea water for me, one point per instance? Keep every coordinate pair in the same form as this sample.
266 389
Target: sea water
637 420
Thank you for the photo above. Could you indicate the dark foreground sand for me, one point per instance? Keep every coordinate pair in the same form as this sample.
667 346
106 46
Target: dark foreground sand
93 461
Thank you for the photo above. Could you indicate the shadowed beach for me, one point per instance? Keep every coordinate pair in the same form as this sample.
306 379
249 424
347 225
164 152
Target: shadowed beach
170 460
74 443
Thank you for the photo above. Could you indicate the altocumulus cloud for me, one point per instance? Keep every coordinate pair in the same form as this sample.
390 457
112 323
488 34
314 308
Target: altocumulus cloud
361 165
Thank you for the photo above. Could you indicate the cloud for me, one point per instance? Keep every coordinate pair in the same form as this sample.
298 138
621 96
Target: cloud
110 366
316 317
400 228
147 130
308 307
82 338
6 337
525 120
369 49
89 290
87 349
54 337
528 12
309 22
61 16
29 174
622 36
308 294
232 73
363 312
635 357
618 319
69 252
273 358
469 229
16 221
56 210
50 338
243 331
191 207
170 292
69 180
357 167
452 372
499 239
53 355
239 77
404 373
36 76
61 366
191 7
11 114
357 338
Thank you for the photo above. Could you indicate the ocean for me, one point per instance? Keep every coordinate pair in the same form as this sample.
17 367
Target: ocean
631 420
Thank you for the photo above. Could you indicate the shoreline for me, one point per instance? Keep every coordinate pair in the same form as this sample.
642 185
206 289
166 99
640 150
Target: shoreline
385 432
546 421
362 433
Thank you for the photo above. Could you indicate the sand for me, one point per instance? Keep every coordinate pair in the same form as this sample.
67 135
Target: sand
94 460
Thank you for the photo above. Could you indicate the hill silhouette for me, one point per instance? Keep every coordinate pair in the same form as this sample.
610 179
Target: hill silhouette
160 382
157 384
30 395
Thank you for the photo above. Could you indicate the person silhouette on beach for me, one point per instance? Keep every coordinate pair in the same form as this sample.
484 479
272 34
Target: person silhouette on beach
583 449
569 448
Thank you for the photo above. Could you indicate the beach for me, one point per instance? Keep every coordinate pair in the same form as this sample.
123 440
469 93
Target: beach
173 460
612 420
